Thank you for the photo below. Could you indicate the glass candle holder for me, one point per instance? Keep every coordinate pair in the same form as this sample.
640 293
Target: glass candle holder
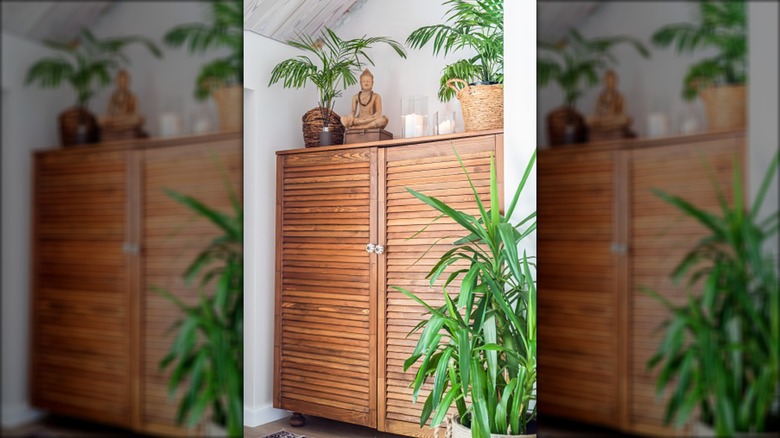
444 123
414 116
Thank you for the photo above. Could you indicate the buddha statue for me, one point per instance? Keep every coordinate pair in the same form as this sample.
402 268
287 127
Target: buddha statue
122 119
366 107
609 119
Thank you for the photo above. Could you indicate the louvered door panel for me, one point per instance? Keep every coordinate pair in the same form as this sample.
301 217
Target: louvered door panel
81 300
432 169
326 285
173 235
661 236
578 305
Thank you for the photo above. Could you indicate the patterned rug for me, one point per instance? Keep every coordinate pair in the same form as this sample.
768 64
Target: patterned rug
283 434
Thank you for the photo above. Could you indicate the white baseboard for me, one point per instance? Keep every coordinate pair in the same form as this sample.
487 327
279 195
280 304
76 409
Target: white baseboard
256 417
19 414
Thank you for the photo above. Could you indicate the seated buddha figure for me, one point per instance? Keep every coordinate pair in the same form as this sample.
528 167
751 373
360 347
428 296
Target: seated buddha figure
366 107
609 113
121 107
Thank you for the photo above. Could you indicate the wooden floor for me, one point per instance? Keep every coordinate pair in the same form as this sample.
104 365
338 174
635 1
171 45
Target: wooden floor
56 427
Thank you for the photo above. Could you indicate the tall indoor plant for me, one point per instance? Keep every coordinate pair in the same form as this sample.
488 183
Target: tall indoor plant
87 64
221 78
206 355
330 64
720 352
477 81
575 64
485 361
719 79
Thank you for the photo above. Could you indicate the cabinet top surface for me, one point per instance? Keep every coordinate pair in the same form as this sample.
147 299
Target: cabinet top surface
394 142
643 142
147 143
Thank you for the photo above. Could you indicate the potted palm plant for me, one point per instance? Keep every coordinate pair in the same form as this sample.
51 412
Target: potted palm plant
330 64
87 64
484 362
223 77
476 81
720 79
720 352
206 355
575 64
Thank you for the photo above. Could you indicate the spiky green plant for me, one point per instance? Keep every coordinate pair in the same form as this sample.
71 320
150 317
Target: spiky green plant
225 30
87 63
721 349
576 63
722 25
207 352
329 62
487 352
472 24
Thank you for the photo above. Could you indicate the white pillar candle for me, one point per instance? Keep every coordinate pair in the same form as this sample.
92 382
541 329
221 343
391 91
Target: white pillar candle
657 125
170 124
445 127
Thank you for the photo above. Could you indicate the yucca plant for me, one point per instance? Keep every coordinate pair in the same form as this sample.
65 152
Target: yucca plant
87 63
225 30
484 362
722 26
206 355
330 63
472 24
721 349
576 63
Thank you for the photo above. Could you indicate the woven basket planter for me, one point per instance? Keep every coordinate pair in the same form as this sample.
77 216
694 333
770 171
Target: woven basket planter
482 105
312 126
78 126
566 126
457 430
230 106
725 107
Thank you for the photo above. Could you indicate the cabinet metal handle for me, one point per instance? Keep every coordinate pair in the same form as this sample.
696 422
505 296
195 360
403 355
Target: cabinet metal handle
370 247
379 249
130 248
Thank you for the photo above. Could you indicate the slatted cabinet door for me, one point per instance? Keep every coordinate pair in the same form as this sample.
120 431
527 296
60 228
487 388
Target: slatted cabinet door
81 291
434 170
173 235
661 235
578 284
326 285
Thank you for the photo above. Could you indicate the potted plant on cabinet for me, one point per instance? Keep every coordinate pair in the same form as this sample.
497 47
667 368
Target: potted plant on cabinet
575 63
477 81
330 63
223 77
487 353
87 64
720 79
720 352
207 352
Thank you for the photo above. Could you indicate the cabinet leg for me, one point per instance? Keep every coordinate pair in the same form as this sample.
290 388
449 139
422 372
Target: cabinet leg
297 420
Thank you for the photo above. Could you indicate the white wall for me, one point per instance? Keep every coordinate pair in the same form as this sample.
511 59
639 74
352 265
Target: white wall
648 85
29 123
763 96
279 111
272 121
160 85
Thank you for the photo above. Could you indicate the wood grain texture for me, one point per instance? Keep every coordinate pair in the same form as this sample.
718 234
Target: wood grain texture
431 169
172 236
597 329
325 351
80 351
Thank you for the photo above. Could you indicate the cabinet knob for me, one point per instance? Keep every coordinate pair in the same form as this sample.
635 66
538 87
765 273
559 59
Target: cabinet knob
379 249
370 247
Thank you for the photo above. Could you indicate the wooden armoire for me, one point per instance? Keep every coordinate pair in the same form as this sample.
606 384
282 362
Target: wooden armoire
346 230
603 236
104 234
